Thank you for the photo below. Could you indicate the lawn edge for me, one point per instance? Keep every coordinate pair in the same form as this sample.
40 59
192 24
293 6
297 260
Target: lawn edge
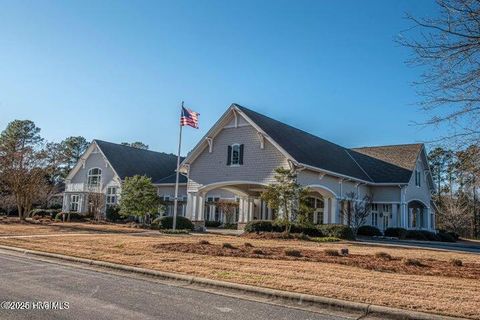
366 309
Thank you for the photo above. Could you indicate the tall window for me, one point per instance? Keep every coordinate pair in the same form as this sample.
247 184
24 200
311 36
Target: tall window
374 214
111 196
418 178
235 155
74 201
94 176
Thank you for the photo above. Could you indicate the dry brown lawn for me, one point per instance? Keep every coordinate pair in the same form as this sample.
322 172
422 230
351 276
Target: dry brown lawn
415 288
13 228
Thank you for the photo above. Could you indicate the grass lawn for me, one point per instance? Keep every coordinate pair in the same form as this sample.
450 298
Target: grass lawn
9 227
435 286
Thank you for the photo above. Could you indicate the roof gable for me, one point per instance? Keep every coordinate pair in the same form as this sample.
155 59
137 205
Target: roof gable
129 161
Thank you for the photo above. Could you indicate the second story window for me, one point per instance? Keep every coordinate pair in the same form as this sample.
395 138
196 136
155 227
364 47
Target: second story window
418 178
235 155
94 177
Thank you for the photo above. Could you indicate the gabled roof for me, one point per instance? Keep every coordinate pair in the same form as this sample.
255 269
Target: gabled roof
390 164
129 161
401 155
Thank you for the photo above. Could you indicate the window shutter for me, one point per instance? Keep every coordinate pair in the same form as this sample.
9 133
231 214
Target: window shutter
229 155
241 155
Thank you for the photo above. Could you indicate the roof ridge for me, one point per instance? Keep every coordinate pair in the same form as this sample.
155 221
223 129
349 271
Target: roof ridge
389 145
122 145
358 164
289 125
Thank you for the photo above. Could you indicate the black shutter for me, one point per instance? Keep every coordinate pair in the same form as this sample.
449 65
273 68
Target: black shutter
229 155
240 160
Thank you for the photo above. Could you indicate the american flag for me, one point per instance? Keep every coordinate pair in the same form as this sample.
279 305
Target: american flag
189 118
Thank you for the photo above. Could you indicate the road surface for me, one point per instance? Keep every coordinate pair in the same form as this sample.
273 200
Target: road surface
94 294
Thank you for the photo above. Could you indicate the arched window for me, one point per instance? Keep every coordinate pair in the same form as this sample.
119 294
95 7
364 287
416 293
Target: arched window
94 177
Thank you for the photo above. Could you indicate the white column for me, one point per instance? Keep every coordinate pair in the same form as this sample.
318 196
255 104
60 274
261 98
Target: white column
327 210
264 210
191 200
335 209
269 213
251 209
426 217
240 210
394 215
201 207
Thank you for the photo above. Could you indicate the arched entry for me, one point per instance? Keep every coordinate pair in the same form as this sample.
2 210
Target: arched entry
205 204
328 210
417 215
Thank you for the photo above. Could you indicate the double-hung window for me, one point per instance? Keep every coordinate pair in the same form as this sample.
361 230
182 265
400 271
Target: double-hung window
111 196
235 155
94 177
74 202
374 214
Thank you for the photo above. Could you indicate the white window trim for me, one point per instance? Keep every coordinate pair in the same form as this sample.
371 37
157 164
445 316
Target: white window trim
231 155
76 202
99 175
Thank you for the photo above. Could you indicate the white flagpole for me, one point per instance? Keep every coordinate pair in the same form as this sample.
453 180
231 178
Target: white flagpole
175 201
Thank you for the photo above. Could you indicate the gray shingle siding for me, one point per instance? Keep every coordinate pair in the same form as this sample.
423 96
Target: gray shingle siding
258 164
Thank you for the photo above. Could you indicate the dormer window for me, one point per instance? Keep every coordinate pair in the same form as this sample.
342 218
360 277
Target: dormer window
235 155
94 177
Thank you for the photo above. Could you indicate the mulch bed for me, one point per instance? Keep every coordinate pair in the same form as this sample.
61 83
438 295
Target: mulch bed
370 262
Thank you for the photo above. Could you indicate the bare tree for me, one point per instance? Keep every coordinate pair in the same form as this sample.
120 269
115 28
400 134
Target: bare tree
229 208
447 47
453 215
356 211
96 205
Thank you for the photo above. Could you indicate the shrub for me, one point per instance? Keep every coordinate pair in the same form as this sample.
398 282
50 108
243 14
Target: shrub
259 226
344 251
325 239
412 262
212 224
203 242
293 253
176 231
383 255
396 233
445 237
59 216
227 245
248 245
423 235
44 213
337 231
113 213
331 252
257 251
369 231
182 223
230 226
456 262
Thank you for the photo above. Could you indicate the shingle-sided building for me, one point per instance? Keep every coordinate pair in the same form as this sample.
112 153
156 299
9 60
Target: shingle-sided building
105 165
240 153
237 159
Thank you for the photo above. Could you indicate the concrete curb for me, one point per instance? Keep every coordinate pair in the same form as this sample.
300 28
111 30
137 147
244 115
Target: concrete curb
366 309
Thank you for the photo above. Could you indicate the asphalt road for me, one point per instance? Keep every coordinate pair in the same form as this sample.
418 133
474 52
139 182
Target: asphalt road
93 294
467 247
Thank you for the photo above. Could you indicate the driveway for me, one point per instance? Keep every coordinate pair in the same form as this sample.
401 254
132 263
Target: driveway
461 246
95 294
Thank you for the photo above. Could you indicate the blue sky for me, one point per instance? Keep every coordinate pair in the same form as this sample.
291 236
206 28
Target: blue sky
118 70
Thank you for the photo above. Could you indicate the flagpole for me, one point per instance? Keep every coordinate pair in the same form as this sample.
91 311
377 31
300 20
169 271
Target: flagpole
175 201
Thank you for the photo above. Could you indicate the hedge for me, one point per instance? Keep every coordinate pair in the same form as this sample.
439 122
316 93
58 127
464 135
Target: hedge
167 223
369 231
336 230
212 224
396 233
327 230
